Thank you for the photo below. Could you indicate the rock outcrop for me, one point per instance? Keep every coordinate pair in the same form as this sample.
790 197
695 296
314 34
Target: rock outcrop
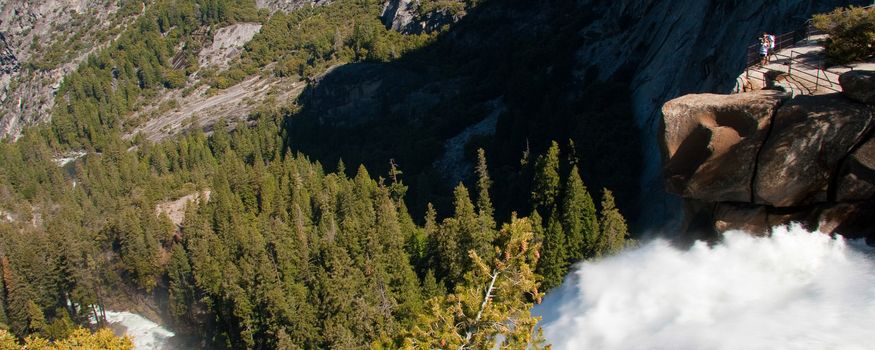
859 85
755 160
810 137
857 179
712 141
411 17
227 44
8 62
29 31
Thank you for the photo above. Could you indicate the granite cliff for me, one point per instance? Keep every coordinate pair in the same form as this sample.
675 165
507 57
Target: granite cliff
759 159
40 43
593 71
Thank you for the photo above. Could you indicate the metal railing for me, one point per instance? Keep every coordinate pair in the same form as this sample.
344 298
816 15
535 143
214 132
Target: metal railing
788 40
821 77
782 41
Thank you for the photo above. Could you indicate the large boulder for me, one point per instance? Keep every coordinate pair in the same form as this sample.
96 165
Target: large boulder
859 85
857 180
710 142
810 136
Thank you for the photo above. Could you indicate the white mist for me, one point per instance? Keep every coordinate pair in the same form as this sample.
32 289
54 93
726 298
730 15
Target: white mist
793 290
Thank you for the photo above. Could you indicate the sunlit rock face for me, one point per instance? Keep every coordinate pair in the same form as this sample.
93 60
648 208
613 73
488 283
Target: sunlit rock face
810 137
755 160
711 143
411 17
28 31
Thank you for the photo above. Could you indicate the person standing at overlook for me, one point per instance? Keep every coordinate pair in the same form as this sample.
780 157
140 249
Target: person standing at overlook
765 46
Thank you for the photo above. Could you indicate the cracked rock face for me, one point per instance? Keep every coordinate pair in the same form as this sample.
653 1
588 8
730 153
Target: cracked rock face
227 44
8 62
711 141
405 16
757 160
857 181
811 135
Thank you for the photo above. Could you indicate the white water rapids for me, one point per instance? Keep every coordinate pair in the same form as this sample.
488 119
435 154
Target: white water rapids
147 335
793 290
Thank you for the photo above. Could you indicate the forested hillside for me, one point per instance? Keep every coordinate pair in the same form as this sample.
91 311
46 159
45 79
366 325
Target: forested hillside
276 250
284 251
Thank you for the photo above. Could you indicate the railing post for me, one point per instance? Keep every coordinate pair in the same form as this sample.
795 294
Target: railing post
817 81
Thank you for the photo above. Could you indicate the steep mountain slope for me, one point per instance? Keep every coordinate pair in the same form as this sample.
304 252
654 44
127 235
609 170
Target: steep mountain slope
592 71
44 41
678 47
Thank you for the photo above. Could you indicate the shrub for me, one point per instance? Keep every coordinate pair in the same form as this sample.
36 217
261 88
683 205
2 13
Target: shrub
851 34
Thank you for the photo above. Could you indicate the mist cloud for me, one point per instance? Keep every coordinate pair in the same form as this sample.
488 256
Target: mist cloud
793 290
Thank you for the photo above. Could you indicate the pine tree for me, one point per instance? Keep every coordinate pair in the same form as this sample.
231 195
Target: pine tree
579 218
455 237
492 302
482 240
17 299
554 258
431 287
484 183
431 232
181 284
401 280
545 186
36 319
614 229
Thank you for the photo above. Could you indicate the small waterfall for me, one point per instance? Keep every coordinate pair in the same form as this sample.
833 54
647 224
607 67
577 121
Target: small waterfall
147 335
792 290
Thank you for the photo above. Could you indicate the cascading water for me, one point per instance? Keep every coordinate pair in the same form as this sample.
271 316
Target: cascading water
147 335
793 290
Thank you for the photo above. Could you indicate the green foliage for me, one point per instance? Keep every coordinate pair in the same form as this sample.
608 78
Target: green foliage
614 229
80 339
554 260
181 286
485 211
282 254
306 42
579 218
851 34
545 186
573 231
109 85
493 301
452 7
454 236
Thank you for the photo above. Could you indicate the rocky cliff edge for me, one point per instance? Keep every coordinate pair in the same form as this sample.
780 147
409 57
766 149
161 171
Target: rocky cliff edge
759 159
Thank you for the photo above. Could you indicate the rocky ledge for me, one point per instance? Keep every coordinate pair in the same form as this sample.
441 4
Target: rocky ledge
759 159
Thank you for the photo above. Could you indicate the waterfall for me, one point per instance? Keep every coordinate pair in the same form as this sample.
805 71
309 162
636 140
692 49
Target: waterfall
792 290
147 335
